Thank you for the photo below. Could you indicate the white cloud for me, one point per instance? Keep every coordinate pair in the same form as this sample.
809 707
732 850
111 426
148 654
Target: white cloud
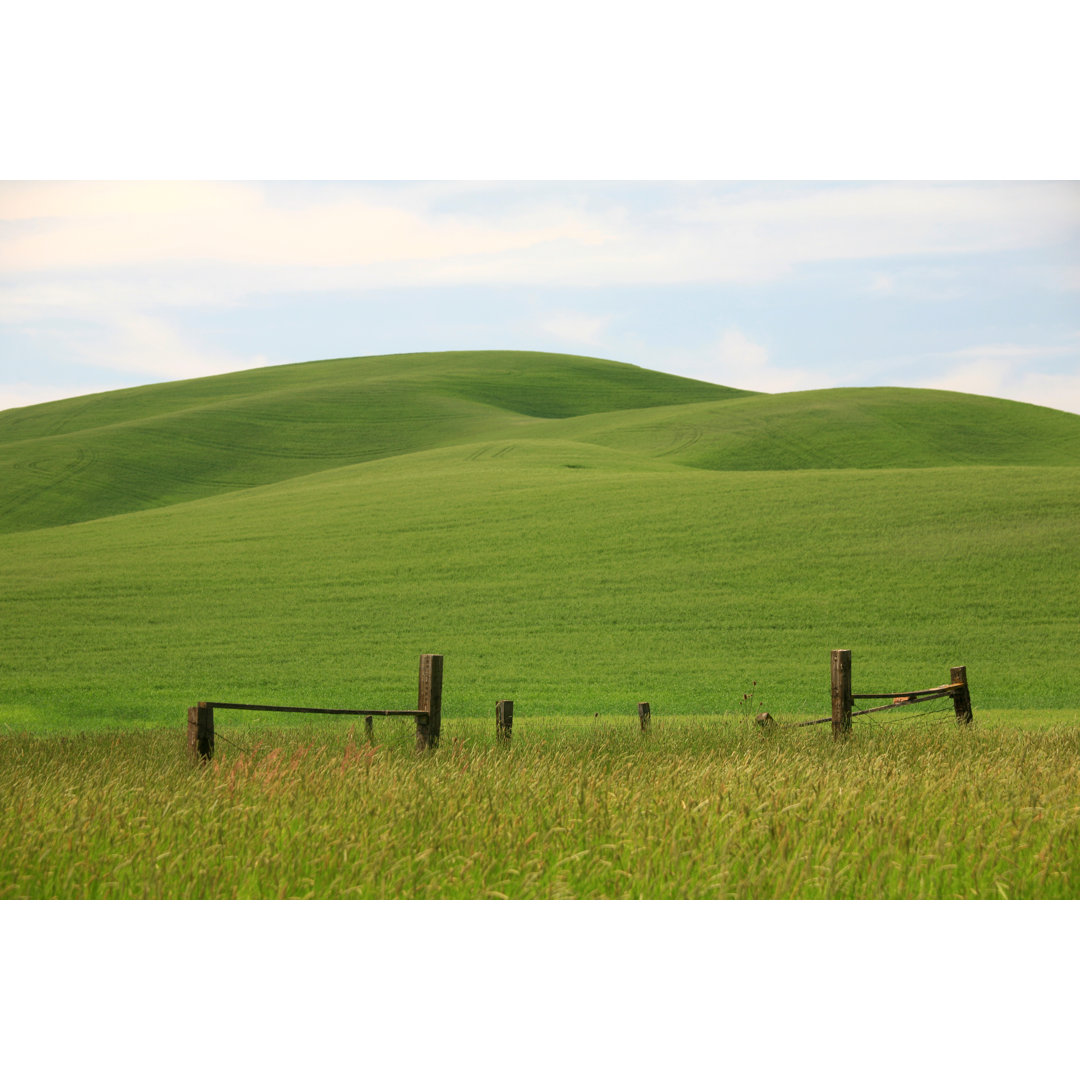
108 225
151 347
736 360
1053 391
987 377
752 368
96 298
772 234
573 326
918 283
74 201
129 342
736 352
1011 352
16 395
1007 371
288 238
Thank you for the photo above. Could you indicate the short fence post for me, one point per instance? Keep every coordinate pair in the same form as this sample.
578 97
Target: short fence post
644 716
504 720
200 731
962 697
841 693
429 701
369 728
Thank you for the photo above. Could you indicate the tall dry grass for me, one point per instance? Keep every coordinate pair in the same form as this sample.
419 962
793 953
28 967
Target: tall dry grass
701 809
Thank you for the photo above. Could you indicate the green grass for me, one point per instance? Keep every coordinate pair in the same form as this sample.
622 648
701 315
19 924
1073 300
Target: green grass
130 450
569 590
877 428
575 565
577 536
704 808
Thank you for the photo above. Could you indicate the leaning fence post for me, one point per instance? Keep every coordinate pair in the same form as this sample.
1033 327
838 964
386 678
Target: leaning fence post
504 720
429 701
644 716
200 731
841 692
961 697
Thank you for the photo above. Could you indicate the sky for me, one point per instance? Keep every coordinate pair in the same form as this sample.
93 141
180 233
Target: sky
775 196
773 286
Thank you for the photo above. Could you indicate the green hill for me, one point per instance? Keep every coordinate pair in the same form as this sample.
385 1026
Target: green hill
109 454
574 534
113 453
874 428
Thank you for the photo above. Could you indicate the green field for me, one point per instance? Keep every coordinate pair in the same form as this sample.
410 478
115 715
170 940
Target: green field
574 534
697 810
576 564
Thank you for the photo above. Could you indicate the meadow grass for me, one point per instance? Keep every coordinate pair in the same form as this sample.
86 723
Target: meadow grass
571 534
702 808
568 590
574 534
863 428
134 449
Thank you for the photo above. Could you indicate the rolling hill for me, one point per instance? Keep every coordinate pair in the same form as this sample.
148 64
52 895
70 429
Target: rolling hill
572 533
151 446
875 428
114 453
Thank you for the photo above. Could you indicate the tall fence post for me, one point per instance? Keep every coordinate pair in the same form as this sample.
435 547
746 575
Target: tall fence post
200 731
429 700
962 697
841 693
644 716
504 720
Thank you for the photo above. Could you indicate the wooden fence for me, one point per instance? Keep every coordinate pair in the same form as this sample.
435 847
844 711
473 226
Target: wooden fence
428 712
843 699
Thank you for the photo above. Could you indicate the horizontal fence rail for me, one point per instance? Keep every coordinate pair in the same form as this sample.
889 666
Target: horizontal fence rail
913 695
301 709
428 712
843 699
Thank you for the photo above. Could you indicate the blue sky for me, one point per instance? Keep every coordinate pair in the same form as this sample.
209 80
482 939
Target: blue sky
773 286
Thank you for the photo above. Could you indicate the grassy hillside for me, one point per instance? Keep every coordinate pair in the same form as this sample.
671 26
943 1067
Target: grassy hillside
128 450
842 429
574 564
557 575
115 453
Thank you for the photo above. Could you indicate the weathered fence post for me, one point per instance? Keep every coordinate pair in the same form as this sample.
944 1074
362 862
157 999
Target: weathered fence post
504 720
200 731
429 700
962 697
369 728
841 693
644 716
